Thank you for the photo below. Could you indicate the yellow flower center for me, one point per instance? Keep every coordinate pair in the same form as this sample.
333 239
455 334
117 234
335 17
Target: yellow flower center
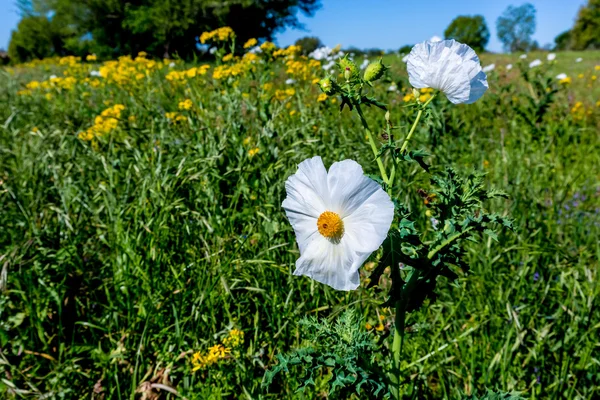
330 225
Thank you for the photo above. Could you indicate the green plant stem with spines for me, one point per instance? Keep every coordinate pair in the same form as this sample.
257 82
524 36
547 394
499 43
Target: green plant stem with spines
414 125
373 145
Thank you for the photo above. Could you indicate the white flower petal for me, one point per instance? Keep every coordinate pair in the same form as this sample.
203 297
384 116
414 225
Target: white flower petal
366 211
370 223
349 187
333 264
449 66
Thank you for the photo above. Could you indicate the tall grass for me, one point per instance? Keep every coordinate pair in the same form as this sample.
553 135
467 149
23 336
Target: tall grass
123 257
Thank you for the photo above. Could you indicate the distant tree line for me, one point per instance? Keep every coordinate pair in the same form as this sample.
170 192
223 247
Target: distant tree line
163 28
585 34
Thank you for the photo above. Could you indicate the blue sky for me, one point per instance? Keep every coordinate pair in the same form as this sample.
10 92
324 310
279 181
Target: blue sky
389 24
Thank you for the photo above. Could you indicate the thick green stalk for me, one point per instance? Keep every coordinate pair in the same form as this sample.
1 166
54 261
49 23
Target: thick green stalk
399 330
373 144
414 125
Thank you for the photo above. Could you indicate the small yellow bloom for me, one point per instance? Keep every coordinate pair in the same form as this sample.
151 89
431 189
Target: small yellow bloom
250 43
597 67
91 57
185 105
580 76
368 326
227 57
253 152
322 97
380 328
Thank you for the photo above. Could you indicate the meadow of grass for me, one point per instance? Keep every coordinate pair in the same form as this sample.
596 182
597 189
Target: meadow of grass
138 228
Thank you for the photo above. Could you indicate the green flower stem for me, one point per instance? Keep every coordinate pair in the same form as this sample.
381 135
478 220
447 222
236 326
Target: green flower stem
414 125
399 330
373 145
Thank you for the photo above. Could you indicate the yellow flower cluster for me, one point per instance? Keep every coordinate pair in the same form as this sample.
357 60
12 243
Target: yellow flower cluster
268 47
425 94
214 355
282 94
250 43
565 81
218 35
182 76
303 68
104 123
235 339
91 57
218 352
66 83
175 117
579 111
290 51
126 70
185 105
233 70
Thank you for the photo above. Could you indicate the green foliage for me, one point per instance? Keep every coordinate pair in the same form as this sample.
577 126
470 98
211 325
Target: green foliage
164 28
309 44
516 26
32 39
586 32
499 395
341 353
472 31
563 41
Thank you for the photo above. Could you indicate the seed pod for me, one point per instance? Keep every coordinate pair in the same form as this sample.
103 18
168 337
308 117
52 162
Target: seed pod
374 71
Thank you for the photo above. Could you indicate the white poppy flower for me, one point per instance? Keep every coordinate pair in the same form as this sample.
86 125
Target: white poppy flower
509 67
392 88
523 56
535 63
562 76
489 68
551 56
290 81
340 217
578 60
449 66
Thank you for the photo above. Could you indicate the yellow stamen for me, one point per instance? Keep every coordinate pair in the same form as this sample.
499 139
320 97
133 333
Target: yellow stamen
330 225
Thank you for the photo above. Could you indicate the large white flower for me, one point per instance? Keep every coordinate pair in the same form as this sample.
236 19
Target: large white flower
340 217
449 66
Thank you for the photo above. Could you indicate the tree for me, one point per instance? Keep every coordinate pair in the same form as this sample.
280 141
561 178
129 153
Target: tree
586 32
309 44
563 41
516 26
32 39
469 30
166 27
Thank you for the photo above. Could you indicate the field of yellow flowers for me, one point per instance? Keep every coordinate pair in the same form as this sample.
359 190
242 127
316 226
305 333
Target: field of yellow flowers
144 252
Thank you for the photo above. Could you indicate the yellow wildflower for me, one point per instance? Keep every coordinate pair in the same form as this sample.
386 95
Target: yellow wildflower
253 152
185 105
227 57
250 43
235 339
91 57
322 97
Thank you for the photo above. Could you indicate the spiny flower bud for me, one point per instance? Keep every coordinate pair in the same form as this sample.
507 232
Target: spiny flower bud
328 86
348 65
347 74
374 71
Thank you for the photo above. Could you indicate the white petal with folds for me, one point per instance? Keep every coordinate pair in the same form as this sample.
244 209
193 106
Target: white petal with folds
450 67
366 211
